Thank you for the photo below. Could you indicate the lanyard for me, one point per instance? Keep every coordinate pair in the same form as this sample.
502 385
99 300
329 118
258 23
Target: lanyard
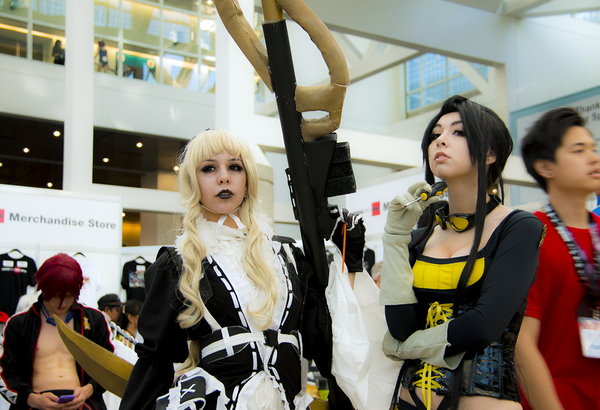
588 272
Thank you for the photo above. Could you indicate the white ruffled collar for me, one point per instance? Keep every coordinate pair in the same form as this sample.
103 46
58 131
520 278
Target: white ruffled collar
214 235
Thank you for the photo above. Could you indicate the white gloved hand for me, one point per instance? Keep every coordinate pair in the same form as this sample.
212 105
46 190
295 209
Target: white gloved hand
428 345
396 275
401 219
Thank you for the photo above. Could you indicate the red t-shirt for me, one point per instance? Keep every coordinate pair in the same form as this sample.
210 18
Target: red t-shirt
554 299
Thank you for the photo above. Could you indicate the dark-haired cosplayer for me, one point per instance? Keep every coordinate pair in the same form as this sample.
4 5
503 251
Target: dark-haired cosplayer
455 296
241 298
37 368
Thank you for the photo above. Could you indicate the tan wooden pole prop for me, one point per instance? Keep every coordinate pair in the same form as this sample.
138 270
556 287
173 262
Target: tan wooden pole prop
329 97
105 367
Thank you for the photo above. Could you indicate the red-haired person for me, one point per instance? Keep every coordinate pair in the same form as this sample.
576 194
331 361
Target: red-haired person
37 369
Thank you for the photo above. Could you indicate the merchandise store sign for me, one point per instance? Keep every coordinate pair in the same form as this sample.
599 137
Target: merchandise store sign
59 218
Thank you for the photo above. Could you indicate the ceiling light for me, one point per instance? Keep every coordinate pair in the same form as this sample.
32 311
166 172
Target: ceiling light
105 159
123 214
56 133
26 150
1 164
139 144
176 168
49 184
209 2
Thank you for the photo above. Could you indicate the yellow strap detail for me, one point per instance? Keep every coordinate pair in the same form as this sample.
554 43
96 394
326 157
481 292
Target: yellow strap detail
437 314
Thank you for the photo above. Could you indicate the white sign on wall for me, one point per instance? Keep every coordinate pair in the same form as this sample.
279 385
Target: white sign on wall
58 218
43 222
372 202
587 103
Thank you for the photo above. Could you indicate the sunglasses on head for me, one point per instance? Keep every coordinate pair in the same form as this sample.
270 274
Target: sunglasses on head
460 222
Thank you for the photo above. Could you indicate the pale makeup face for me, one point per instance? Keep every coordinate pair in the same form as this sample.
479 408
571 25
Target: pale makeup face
577 164
55 306
448 152
222 183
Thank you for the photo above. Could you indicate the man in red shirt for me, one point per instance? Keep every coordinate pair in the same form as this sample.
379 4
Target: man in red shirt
554 370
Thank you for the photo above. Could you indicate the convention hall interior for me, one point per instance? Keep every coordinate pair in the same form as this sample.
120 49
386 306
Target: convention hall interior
111 129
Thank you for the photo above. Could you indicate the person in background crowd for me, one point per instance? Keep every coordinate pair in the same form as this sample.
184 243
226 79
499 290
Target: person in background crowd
37 369
129 321
112 306
58 53
558 361
102 55
455 296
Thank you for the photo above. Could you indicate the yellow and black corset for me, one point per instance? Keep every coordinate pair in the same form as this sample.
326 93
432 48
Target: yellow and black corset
484 372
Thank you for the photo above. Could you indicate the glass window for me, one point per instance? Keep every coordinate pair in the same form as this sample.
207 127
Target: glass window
174 46
14 8
141 23
208 7
139 62
49 11
107 18
181 71
591 16
207 36
183 4
180 31
431 78
13 37
45 47
483 69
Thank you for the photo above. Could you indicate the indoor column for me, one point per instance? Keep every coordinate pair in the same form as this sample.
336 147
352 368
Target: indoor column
79 95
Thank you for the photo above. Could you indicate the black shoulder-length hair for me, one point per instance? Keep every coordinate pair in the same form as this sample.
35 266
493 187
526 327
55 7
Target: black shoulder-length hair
485 133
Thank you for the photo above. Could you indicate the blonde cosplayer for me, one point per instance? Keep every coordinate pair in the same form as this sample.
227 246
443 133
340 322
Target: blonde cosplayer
259 271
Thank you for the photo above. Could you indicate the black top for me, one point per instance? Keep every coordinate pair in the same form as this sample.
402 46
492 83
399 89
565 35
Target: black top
133 279
15 276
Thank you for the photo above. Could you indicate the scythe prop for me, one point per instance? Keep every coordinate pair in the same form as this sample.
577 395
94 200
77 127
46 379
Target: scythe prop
319 167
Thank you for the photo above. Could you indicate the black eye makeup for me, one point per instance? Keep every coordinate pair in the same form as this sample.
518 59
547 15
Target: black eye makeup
207 168
236 167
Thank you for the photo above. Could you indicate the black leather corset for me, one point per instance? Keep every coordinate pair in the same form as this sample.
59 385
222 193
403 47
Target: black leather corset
486 372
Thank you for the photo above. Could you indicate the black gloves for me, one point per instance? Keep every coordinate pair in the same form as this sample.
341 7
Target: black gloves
355 236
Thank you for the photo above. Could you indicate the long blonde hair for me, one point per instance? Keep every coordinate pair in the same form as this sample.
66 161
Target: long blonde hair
204 146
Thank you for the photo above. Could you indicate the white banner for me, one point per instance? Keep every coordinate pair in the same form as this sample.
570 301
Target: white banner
587 103
372 202
58 218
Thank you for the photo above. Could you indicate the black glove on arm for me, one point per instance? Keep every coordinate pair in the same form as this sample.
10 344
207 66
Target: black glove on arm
355 237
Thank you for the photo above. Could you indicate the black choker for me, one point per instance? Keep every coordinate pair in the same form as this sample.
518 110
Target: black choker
462 222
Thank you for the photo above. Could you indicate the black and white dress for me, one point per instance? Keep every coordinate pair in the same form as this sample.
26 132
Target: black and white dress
240 366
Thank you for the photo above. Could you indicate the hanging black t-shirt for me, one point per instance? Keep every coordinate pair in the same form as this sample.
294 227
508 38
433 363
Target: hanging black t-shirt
133 279
15 275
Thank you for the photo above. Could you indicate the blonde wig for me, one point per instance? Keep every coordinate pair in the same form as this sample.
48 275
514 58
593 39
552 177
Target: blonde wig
202 147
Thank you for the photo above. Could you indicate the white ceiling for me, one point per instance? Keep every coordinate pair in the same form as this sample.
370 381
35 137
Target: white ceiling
531 8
